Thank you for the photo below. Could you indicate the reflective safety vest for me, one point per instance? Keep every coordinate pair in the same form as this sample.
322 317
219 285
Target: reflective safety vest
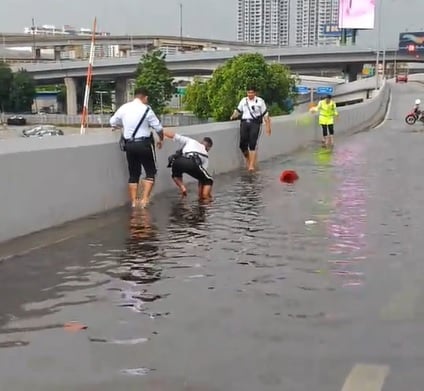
327 112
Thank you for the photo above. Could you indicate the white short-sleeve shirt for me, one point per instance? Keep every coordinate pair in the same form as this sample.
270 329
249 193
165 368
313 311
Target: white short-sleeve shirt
190 145
250 108
129 115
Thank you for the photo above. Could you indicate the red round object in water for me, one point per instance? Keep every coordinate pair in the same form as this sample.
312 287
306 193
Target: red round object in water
289 176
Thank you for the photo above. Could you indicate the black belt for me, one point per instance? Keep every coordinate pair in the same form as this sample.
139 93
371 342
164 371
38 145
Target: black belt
194 157
139 139
250 120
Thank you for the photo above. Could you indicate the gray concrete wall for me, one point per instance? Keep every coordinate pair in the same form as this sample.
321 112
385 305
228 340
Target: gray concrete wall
46 182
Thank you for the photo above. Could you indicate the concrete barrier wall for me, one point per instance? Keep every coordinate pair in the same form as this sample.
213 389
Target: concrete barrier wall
46 182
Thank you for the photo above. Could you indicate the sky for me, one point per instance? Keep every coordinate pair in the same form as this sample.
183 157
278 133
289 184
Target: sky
201 18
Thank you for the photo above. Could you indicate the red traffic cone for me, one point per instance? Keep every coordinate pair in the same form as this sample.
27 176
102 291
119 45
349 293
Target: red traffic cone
289 176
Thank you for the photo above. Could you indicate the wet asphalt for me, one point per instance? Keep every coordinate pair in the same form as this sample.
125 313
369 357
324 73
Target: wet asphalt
316 286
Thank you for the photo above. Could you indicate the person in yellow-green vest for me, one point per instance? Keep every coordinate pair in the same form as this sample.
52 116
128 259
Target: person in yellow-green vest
327 113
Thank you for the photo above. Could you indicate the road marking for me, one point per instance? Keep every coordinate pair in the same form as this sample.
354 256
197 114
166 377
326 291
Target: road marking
366 378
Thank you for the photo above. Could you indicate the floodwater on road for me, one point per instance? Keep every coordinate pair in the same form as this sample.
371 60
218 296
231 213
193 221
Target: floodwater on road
311 286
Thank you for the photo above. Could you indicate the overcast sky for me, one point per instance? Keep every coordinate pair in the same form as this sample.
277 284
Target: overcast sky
201 18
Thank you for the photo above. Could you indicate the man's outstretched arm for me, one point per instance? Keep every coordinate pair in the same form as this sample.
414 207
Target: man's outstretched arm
168 134
182 140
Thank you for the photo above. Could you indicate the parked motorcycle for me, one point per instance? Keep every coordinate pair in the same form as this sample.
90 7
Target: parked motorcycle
412 118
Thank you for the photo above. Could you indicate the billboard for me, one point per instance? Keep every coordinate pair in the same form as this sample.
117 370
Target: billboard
356 14
411 42
333 30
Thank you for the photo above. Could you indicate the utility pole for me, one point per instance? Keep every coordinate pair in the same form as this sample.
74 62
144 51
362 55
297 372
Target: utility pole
4 48
181 27
379 27
34 49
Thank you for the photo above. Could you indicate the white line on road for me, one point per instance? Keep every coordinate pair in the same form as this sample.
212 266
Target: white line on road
366 378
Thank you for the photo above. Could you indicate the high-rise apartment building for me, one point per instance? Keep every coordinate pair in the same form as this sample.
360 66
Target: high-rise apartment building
263 21
287 22
312 16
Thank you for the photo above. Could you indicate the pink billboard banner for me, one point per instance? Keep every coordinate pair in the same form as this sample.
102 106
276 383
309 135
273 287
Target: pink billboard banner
356 14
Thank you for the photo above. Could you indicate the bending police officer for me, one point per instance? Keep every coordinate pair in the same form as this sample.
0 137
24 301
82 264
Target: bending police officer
191 159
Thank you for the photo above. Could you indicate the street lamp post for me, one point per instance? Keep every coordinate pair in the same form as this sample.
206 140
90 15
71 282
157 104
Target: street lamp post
395 65
34 47
377 62
101 106
181 27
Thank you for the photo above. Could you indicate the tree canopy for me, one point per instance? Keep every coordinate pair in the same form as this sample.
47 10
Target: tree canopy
17 90
23 92
218 96
153 74
6 80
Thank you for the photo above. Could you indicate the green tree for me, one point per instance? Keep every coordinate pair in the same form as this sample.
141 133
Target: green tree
221 94
153 74
196 99
23 91
6 80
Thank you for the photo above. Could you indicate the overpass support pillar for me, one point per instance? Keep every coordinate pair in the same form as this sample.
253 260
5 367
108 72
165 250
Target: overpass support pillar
352 71
123 52
122 91
36 53
71 95
57 53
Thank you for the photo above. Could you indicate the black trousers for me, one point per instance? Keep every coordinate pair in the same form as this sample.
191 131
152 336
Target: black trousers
327 130
185 165
249 135
141 154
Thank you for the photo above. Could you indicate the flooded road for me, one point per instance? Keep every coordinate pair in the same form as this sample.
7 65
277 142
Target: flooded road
316 286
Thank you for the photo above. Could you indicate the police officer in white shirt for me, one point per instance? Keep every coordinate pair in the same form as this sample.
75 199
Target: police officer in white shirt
139 143
253 112
191 159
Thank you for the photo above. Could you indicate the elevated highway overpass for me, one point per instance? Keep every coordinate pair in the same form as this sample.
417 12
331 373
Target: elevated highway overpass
58 40
300 60
76 46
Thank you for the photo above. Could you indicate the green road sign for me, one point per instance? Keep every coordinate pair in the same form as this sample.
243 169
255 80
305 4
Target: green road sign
181 91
